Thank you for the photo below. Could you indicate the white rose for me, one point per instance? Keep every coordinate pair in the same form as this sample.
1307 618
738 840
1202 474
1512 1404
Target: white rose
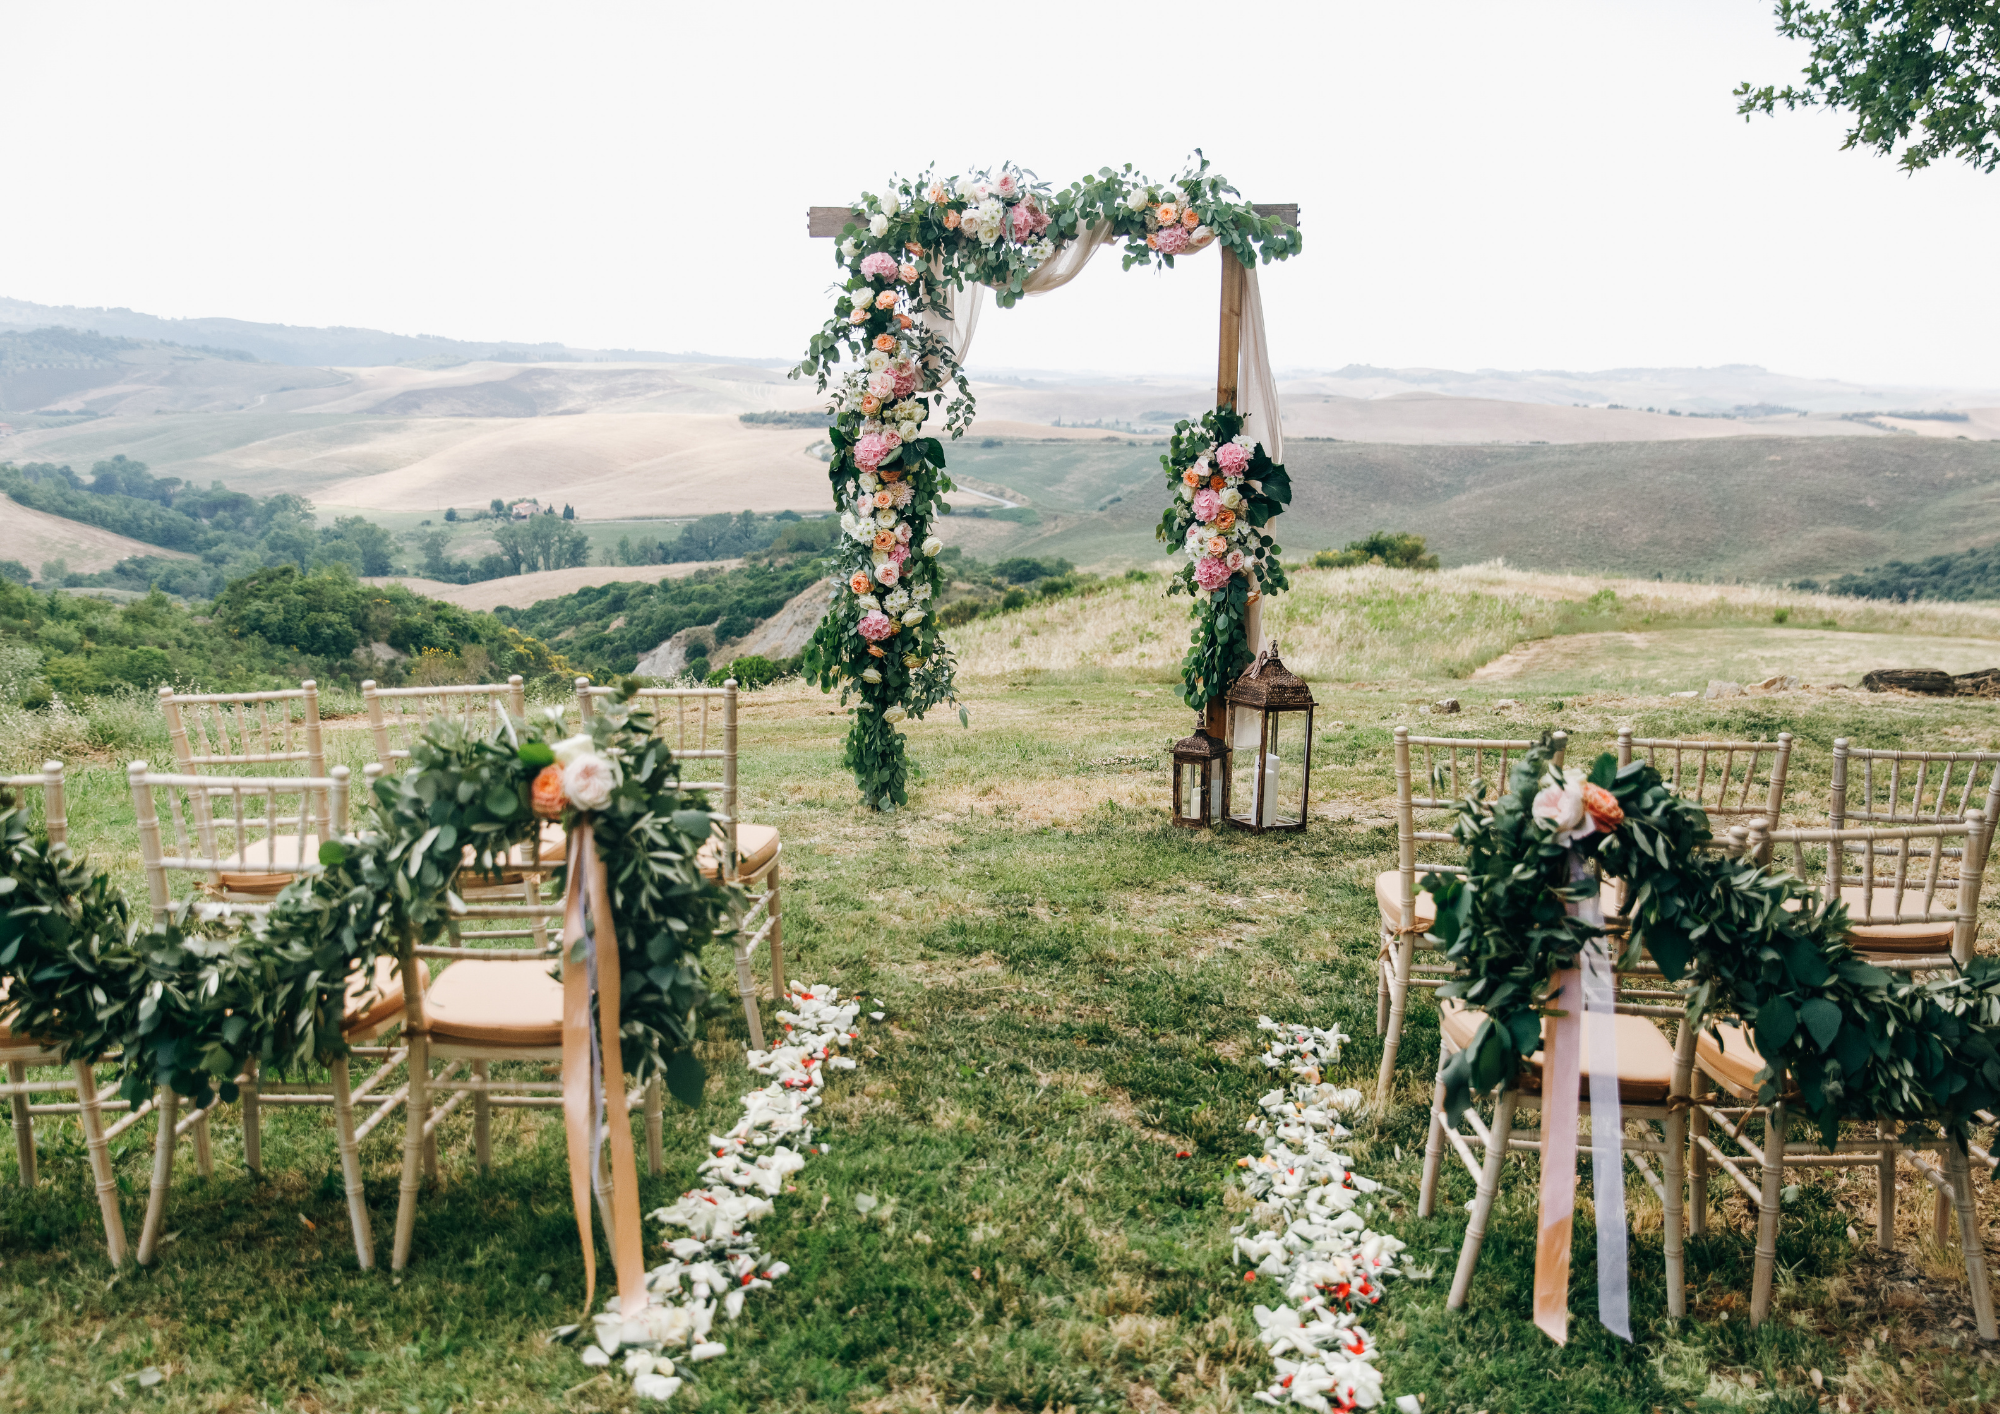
869 603
913 618
871 675
932 545
1137 199
870 482
894 714
885 519
574 747
965 188
1232 498
877 361
913 660
588 782
878 226
848 249
907 430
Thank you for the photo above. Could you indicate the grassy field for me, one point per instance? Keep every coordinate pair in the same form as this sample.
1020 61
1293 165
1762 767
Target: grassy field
1072 988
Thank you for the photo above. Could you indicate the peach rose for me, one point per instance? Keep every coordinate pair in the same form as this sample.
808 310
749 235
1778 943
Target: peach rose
1189 220
860 583
1602 807
547 795
1192 478
903 321
886 300
875 650
1225 519
883 500
914 247
908 274
885 342
1152 243
1217 545
870 404
951 220
885 539
1168 213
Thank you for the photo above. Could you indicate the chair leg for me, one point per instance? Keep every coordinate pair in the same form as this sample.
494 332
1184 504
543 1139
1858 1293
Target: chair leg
204 1149
1885 1187
253 1138
350 1167
482 1121
1399 1001
656 1162
1941 1216
746 988
1768 1206
1382 965
417 1112
1958 1166
166 1110
1697 1208
1674 1223
1482 1204
778 993
1434 1142
101 1173
24 1124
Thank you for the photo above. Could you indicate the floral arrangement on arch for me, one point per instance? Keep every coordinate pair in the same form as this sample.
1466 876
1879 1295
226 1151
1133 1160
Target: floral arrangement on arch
1226 490
887 370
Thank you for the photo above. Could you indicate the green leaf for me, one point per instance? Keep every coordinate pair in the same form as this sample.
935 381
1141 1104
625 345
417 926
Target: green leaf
333 854
502 800
537 754
1822 1019
1776 1021
686 1078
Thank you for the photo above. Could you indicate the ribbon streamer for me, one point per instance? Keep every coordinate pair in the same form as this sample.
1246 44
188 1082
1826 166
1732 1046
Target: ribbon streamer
590 956
1583 992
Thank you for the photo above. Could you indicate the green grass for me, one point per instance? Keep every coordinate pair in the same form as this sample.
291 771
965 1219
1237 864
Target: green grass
1072 989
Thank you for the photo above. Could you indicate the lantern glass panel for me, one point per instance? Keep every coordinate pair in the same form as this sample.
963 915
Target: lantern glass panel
1270 744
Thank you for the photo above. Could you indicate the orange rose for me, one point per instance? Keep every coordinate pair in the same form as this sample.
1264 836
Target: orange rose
1192 478
907 274
875 650
1189 219
885 539
1602 807
951 220
884 500
870 404
860 584
1217 545
885 342
903 321
1152 242
890 474
548 793
913 247
1216 483
1225 519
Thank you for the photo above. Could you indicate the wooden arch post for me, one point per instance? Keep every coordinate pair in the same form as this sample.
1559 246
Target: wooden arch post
827 222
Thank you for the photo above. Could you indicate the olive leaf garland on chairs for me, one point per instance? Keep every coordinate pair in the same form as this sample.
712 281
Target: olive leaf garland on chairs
907 253
1743 938
742 855
1451 767
54 904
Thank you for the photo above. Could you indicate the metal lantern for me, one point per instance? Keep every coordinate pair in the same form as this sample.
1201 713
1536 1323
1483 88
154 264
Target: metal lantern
1271 712
1201 779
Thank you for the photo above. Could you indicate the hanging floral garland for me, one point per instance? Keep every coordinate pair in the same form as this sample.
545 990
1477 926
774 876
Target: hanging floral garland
1858 1041
1226 490
906 248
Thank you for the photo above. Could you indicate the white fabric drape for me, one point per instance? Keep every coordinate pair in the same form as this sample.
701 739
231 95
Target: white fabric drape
1256 389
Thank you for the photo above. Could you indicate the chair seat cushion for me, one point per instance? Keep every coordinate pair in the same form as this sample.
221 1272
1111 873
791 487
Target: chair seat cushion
755 844
1734 1063
1389 898
287 850
373 997
1918 939
1645 1060
496 1003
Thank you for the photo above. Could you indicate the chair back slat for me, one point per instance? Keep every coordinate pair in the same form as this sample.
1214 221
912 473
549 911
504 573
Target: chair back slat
240 730
1907 874
1451 767
49 781
1729 780
1911 787
710 736
398 715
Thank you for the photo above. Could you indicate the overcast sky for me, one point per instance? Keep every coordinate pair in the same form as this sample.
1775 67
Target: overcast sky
1499 185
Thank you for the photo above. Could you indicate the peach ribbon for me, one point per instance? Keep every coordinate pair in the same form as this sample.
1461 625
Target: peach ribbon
1561 1075
588 888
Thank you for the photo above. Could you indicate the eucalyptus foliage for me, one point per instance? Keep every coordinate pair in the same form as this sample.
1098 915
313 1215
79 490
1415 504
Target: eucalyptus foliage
1753 942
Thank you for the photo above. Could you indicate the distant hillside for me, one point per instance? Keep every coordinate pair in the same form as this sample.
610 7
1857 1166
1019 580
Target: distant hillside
304 345
1759 509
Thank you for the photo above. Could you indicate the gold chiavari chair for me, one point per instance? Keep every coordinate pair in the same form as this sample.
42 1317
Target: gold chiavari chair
245 734
1450 767
241 812
24 1053
1904 880
702 726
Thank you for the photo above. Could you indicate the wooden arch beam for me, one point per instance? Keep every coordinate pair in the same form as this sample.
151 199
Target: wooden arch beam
826 222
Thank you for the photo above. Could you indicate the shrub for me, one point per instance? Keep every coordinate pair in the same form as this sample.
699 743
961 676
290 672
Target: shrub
1398 550
963 611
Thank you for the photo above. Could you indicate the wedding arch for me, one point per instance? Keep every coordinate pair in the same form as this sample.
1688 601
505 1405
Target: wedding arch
917 259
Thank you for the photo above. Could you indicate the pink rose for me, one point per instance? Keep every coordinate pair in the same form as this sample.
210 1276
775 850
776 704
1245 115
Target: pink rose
1234 559
871 449
1210 573
903 532
1007 186
882 384
890 570
1232 458
907 274
1172 240
1207 505
875 625
879 266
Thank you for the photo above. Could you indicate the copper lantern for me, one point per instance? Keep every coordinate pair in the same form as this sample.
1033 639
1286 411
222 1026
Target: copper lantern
1201 779
1271 712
